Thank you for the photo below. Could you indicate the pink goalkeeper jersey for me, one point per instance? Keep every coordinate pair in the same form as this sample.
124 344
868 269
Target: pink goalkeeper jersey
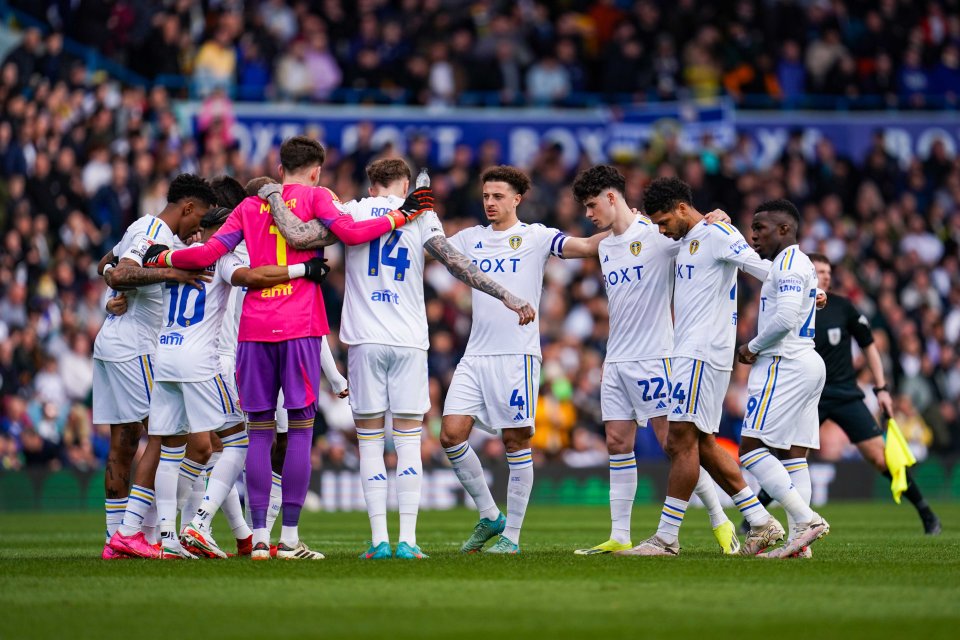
295 309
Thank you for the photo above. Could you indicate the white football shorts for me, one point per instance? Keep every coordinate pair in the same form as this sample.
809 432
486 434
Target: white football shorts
635 390
696 392
388 378
499 392
179 408
783 398
121 390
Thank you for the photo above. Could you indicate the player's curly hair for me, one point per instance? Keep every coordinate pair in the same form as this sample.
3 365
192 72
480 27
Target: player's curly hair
187 185
229 191
511 175
780 205
254 184
299 152
386 171
664 194
591 182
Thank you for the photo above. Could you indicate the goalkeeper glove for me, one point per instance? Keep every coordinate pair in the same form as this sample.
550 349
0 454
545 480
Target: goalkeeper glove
157 256
416 204
316 270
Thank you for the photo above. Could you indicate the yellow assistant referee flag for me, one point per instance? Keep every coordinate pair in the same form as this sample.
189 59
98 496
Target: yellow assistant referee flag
898 457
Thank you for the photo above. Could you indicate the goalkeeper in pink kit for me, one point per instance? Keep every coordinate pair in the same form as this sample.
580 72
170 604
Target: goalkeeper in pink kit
281 327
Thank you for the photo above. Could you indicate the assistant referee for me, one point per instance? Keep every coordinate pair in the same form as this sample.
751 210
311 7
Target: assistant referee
842 400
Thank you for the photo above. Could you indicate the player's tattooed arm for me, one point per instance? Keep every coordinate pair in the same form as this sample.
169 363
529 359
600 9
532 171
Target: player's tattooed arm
130 275
463 269
311 234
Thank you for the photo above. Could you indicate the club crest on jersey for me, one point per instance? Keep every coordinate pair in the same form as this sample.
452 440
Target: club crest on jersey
515 242
694 246
635 247
834 335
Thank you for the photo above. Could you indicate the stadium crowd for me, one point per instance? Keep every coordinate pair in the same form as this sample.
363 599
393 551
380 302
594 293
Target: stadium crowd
81 157
784 52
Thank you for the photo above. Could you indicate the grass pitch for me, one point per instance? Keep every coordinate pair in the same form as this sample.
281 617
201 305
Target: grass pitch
875 576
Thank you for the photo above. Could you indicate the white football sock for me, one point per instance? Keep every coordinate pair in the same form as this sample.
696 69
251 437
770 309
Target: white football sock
276 501
189 472
518 492
776 481
114 508
149 526
261 535
800 477
289 536
195 496
373 481
623 491
469 471
409 480
750 507
168 474
233 511
706 490
221 479
138 503
671 517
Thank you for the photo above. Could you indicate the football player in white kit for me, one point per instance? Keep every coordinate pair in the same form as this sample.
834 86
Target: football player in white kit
385 324
497 381
705 311
638 266
126 344
787 376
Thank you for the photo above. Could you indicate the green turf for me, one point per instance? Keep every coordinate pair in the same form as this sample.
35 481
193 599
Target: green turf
874 576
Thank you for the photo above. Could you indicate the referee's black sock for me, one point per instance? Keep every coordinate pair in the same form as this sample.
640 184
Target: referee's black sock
913 494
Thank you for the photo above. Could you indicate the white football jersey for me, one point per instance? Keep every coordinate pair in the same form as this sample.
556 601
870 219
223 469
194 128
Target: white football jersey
134 333
383 300
514 258
788 306
192 319
705 292
638 269
230 327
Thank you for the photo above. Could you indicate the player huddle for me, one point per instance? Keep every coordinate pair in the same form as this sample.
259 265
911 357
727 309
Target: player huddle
215 345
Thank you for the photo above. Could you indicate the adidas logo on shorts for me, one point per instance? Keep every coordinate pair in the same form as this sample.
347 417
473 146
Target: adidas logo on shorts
678 410
661 405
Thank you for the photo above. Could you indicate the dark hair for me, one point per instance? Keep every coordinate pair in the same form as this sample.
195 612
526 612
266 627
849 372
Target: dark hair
254 184
511 175
386 171
299 152
664 194
782 206
229 192
591 182
215 217
188 185
819 257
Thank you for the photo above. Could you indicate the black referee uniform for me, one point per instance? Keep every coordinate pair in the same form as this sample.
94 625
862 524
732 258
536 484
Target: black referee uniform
842 400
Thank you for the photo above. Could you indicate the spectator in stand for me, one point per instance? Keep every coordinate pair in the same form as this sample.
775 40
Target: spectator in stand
216 63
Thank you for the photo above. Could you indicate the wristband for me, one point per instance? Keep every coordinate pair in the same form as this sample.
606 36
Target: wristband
877 390
296 271
107 267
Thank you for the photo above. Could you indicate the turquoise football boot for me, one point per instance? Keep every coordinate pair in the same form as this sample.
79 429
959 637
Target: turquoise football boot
407 552
504 547
380 552
484 531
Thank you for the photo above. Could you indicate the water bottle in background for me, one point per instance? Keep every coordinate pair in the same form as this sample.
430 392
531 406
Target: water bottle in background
423 180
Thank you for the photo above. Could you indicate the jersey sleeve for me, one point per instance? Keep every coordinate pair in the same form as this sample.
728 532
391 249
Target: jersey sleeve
460 240
858 326
138 248
790 293
228 265
731 246
430 226
552 240
328 210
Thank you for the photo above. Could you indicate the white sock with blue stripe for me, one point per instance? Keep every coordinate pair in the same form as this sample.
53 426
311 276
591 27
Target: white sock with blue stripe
706 490
671 517
469 472
168 473
775 480
220 483
409 480
750 508
114 508
138 503
800 477
623 491
519 486
276 501
196 489
373 481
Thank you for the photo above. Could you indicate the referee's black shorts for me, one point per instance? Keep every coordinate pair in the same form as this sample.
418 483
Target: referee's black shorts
852 416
